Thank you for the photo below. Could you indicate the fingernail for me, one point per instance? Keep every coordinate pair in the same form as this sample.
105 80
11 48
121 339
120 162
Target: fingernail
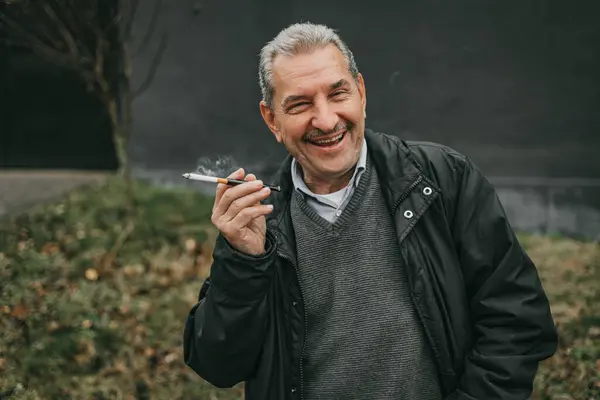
258 183
269 206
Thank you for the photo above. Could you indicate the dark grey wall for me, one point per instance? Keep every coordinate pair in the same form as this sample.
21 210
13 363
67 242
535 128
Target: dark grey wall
513 84
48 120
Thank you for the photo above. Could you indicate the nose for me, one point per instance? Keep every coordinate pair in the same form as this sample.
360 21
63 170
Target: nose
325 117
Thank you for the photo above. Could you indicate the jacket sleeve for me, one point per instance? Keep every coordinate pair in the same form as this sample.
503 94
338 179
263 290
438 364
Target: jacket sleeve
510 313
223 333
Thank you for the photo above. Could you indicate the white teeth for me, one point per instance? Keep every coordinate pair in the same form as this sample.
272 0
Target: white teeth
333 139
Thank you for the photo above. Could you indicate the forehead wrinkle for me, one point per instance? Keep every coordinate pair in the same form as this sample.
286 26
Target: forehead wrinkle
291 67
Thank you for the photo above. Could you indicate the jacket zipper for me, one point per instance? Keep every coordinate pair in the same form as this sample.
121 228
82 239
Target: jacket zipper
407 192
434 348
305 319
412 295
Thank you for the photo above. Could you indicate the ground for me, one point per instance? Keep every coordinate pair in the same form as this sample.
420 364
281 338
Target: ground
93 302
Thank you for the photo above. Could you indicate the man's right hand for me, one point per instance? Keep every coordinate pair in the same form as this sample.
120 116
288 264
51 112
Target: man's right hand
238 214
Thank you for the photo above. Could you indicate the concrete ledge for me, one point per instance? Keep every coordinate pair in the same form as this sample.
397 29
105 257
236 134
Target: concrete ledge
20 189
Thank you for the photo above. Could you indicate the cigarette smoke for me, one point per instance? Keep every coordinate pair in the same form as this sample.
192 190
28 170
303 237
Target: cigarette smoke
222 167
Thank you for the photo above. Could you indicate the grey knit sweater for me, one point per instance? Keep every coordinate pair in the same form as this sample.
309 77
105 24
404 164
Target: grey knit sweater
364 338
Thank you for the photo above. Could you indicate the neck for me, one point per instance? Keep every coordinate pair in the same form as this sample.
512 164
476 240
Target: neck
330 184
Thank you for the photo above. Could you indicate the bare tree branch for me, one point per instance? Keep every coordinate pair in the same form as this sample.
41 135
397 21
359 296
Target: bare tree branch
64 31
114 23
37 27
75 25
118 12
129 15
37 45
99 75
151 27
153 67
47 35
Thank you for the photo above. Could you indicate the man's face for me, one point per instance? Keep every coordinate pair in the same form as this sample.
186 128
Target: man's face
318 112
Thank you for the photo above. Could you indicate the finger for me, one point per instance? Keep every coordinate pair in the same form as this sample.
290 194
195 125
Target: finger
221 188
234 193
250 178
244 217
241 203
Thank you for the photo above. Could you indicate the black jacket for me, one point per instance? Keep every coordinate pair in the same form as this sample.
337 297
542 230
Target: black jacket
477 293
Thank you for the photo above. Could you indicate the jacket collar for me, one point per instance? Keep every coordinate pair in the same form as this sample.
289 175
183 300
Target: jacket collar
395 166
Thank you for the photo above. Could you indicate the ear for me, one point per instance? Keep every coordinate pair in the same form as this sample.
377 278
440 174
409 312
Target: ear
363 93
269 117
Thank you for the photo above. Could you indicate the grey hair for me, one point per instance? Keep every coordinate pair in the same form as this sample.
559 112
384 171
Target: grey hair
297 39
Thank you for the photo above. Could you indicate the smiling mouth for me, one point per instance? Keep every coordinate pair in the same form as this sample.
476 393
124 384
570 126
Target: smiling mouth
329 141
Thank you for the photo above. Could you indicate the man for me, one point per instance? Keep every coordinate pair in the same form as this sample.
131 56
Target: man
384 269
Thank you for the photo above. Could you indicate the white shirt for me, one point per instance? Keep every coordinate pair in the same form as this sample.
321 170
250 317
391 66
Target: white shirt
330 206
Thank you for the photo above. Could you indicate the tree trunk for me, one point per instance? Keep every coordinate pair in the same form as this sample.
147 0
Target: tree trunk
120 134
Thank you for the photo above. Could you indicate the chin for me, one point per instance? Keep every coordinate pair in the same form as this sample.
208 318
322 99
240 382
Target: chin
336 169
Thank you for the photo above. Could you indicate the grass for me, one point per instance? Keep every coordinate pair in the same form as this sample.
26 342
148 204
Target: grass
570 272
93 307
81 320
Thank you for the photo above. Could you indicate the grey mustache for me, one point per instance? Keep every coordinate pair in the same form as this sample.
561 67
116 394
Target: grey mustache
317 133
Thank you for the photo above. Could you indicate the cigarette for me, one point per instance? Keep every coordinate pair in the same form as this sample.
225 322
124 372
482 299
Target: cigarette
233 182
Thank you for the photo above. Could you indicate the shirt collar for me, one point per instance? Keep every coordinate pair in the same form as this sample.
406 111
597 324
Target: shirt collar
360 167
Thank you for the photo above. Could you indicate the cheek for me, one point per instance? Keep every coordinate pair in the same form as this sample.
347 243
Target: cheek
351 111
294 128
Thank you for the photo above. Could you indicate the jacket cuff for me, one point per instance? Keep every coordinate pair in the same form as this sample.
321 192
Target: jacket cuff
241 275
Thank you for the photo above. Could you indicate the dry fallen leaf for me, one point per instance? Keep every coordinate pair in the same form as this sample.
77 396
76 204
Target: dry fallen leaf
50 248
87 324
594 332
35 284
91 274
190 245
171 357
133 270
180 268
38 287
52 326
87 352
163 281
118 368
20 312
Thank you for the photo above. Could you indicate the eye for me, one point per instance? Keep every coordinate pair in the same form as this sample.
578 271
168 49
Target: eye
338 93
298 106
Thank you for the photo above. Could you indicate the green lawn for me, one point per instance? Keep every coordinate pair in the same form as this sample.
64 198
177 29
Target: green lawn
93 308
